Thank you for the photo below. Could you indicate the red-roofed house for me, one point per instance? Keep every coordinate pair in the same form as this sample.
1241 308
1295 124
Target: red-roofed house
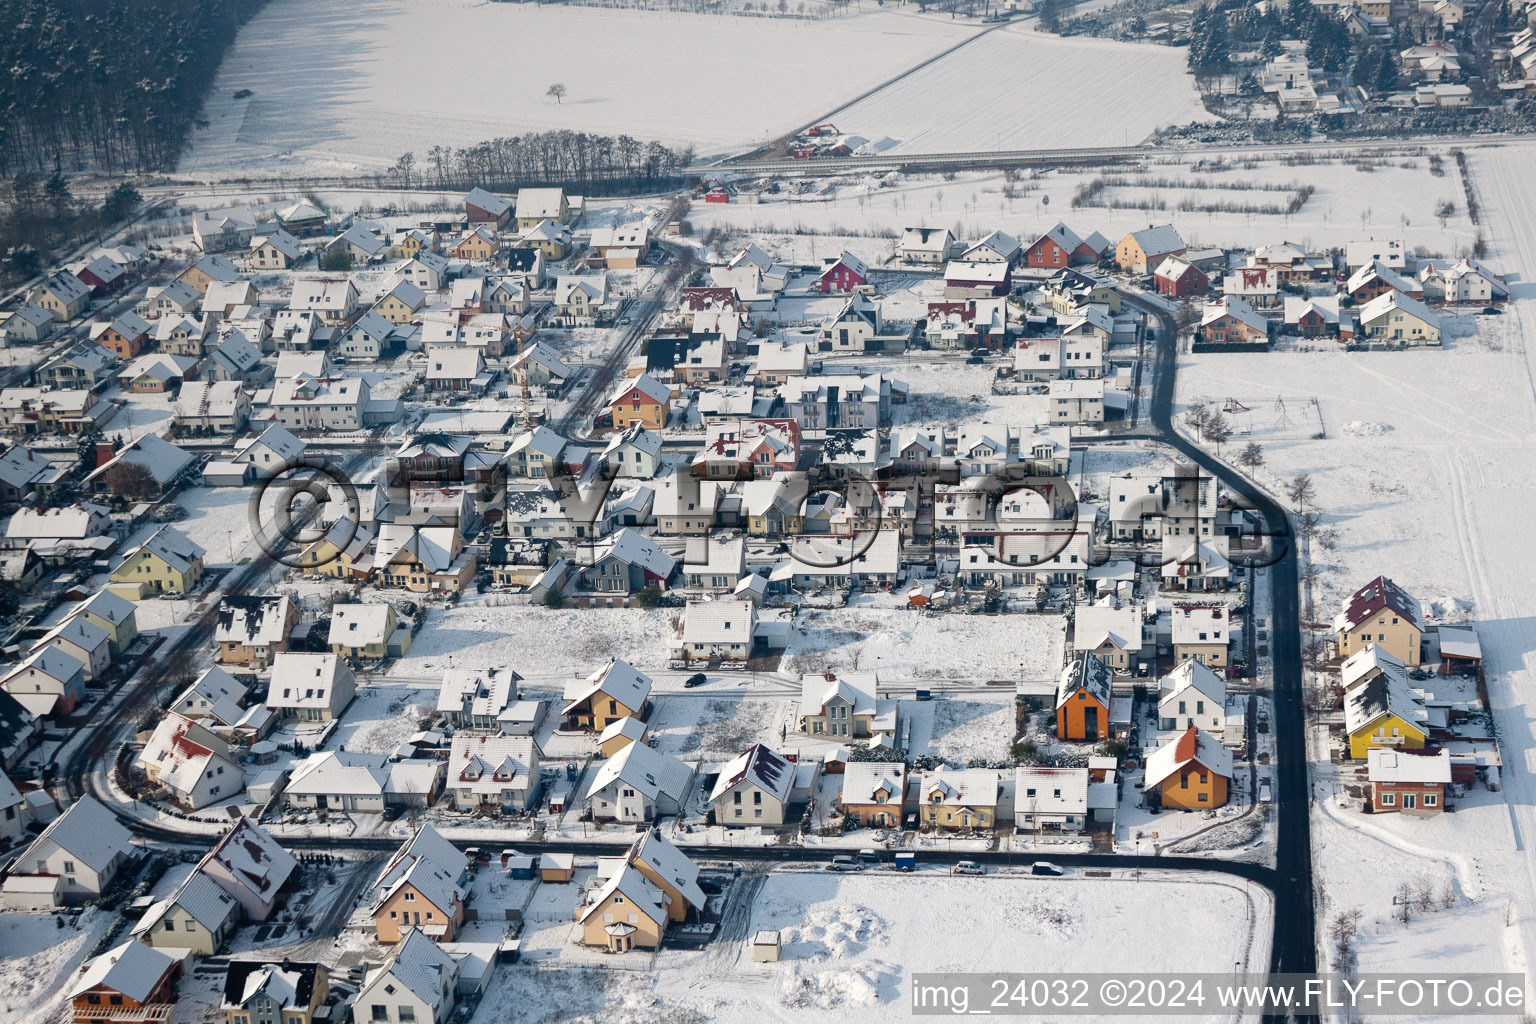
1191 773
1381 613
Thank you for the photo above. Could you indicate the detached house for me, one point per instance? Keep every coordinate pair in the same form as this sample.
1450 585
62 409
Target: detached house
1413 782
536 205
1398 320
1385 614
199 916
253 629
482 207
958 798
1082 700
842 707
628 912
638 784
1202 633
1193 695
843 273
248 864
166 563
85 848
756 788
1232 322
925 245
1191 773
1141 251
63 295
48 683
615 691
131 984
494 772
125 337
417 984
310 687
277 251
420 890
290 992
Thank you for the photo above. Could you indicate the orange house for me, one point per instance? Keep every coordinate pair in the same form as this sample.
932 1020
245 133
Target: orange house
1190 774
125 337
643 401
131 984
1082 700
479 244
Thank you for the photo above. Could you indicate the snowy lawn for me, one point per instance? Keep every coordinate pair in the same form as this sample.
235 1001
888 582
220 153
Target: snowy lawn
355 104
901 644
536 641
37 957
851 943
719 728
960 731
217 521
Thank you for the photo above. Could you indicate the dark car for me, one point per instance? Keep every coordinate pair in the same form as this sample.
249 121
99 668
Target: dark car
1045 867
697 679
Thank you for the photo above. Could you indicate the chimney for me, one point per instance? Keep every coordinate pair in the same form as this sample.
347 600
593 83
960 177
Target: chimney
105 453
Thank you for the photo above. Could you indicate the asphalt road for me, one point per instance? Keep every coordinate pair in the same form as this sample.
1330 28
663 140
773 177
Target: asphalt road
1294 945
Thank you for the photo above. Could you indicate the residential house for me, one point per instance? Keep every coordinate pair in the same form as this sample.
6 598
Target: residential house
1193 694
209 270
175 299
402 303
1463 281
1176 278
344 780
1398 320
1111 631
453 369
615 691
1077 401
63 295
289 992
83 641
248 864
310 687
1413 782
1231 321
368 338
548 237
1050 800
1384 712
1385 614
536 205
112 614
925 245
1376 279
637 784
482 207
125 337
86 847
1083 699
627 912
1202 633
719 630
129 984
874 793
997 247
1141 251
333 299
479 243
277 251
417 984
475 699
49 683
580 300
755 788
621 247
322 404
83 368
843 707
1192 773
1313 317
368 632
426 270
28 325
843 273
49 411
252 629
420 890
220 407
497 772
301 219
950 798
166 563
424 559
198 915
1056 248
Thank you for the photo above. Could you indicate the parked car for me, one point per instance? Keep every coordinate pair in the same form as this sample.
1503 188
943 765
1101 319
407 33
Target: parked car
1045 867
697 679
967 867
870 856
843 862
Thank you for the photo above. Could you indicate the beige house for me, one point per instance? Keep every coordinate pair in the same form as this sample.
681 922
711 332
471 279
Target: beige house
755 788
628 912
419 889
199 916
1202 633
958 799
843 707
1384 614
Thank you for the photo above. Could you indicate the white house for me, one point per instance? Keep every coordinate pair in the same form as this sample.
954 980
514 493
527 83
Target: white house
638 784
1193 695
1050 799
86 847
417 984
493 771
310 687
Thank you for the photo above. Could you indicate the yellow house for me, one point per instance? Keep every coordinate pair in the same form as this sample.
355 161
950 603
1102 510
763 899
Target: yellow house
619 734
550 238
1381 613
368 631
424 559
420 889
1202 633
536 205
668 869
64 295
252 629
628 912
166 563
958 799
113 614
285 993
616 691
1398 319
402 303
641 401
412 242
479 244
1384 712
346 550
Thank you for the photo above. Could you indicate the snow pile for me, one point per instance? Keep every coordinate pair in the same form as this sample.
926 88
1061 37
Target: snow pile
1447 608
835 932
1046 915
1365 428
805 988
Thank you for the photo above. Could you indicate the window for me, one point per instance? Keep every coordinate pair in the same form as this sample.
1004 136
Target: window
407 1013
757 797
1389 799
380 1012
410 897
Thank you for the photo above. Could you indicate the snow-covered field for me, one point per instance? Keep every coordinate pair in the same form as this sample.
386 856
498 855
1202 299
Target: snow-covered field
851 944
336 88
36 959
536 641
1021 89
1396 197
902 644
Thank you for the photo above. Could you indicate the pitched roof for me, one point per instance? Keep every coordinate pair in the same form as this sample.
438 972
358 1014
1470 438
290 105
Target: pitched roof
132 969
658 853
251 856
1089 675
1383 695
635 888
864 780
968 787
1159 239
1050 790
762 767
290 985
1193 746
1377 595
1193 675
88 832
1386 302
488 201
200 897
252 619
420 965
645 769
358 625
1119 624
857 688
339 771
618 679
429 864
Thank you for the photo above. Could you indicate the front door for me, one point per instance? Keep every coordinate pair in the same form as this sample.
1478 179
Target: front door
1090 723
1410 801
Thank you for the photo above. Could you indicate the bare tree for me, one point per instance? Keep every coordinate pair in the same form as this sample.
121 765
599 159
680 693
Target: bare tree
1251 457
1300 490
1218 431
556 92
1403 904
1196 417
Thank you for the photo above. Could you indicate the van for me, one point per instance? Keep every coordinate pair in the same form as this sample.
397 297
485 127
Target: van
869 857
843 862
967 867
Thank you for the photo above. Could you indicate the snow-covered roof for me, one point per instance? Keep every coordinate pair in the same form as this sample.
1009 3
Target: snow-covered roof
1410 766
1050 790
491 203
1385 694
253 619
421 966
658 853
640 767
1193 675
618 679
487 765
634 887
1203 624
858 689
303 680
132 969
864 781
359 625
719 622
968 787
761 766
428 863
1193 746
539 202
249 854
1089 675
1156 240
1120 624
199 897
330 772
1386 302
159 458
88 832
1378 595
